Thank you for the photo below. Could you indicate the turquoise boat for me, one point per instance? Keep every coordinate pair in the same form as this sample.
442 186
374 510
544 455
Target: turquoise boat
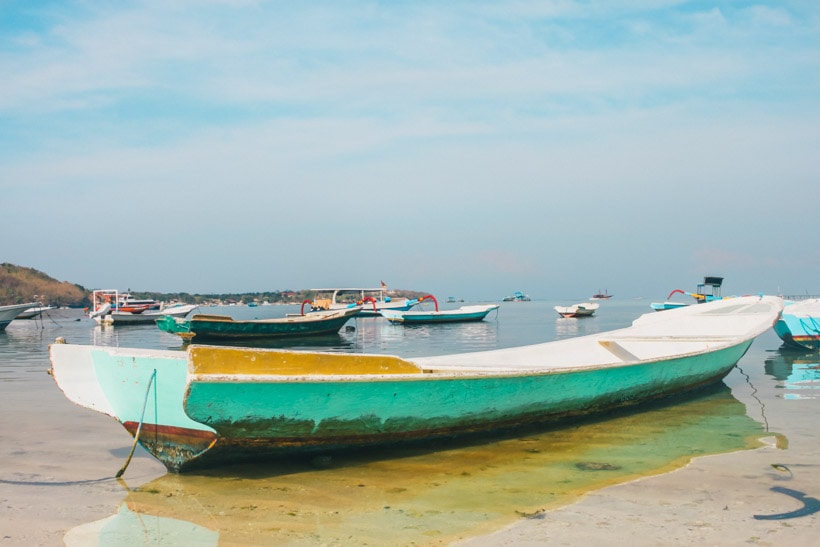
708 291
210 405
215 328
799 326
464 314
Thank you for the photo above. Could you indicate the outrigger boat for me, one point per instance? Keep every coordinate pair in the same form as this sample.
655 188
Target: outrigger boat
464 314
213 405
707 291
371 301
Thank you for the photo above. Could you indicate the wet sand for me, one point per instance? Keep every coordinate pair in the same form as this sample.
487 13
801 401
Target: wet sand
729 499
57 461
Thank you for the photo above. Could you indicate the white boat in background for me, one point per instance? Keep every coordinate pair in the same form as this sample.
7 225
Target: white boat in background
111 307
373 301
12 311
584 309
31 313
130 318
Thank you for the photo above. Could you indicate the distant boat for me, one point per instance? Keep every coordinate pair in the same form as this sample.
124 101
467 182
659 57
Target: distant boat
371 301
707 291
601 295
12 311
517 296
799 324
585 309
216 328
212 405
463 314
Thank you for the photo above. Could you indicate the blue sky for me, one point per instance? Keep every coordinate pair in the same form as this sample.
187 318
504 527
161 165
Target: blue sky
461 148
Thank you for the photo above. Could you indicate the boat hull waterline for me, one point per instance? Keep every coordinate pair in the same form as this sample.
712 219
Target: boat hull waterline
213 405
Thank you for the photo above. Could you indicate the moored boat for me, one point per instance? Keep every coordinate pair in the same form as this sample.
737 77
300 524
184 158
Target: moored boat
799 325
177 311
215 328
33 313
212 405
464 314
517 296
112 307
370 301
584 309
708 291
12 311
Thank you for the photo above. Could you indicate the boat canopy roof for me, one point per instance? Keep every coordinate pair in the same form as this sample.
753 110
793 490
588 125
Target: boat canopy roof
349 289
713 281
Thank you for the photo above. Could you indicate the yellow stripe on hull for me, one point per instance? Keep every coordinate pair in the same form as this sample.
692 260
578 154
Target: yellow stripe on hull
225 360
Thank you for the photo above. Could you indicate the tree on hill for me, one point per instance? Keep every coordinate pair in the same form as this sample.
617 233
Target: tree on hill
19 285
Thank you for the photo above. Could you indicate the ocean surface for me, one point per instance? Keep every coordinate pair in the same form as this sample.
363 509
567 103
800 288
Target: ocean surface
57 460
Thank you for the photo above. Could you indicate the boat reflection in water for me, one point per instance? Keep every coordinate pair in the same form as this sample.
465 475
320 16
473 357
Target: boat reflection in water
427 493
798 370
128 527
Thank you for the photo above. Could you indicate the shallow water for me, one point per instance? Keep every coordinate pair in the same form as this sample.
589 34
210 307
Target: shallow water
430 494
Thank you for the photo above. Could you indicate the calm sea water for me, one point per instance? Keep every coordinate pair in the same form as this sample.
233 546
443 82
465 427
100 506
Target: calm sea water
425 495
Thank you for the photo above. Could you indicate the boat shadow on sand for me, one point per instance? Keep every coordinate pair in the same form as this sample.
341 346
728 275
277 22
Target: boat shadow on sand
440 490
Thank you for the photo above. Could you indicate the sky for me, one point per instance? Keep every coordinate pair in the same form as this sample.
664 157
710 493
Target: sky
465 148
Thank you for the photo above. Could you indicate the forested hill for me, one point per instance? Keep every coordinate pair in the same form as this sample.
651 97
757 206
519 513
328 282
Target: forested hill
19 285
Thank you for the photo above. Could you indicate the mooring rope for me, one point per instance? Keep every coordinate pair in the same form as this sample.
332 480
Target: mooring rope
139 426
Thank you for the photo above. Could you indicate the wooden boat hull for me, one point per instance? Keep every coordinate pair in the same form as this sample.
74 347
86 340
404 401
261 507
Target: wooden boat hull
464 314
799 325
222 327
210 405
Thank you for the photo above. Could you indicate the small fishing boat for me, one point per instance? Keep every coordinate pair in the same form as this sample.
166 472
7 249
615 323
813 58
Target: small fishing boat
121 317
517 296
370 301
464 314
799 325
12 311
105 302
707 291
585 309
211 405
217 328
33 313
601 295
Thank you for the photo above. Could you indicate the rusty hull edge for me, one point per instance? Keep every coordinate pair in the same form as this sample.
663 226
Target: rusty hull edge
178 457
